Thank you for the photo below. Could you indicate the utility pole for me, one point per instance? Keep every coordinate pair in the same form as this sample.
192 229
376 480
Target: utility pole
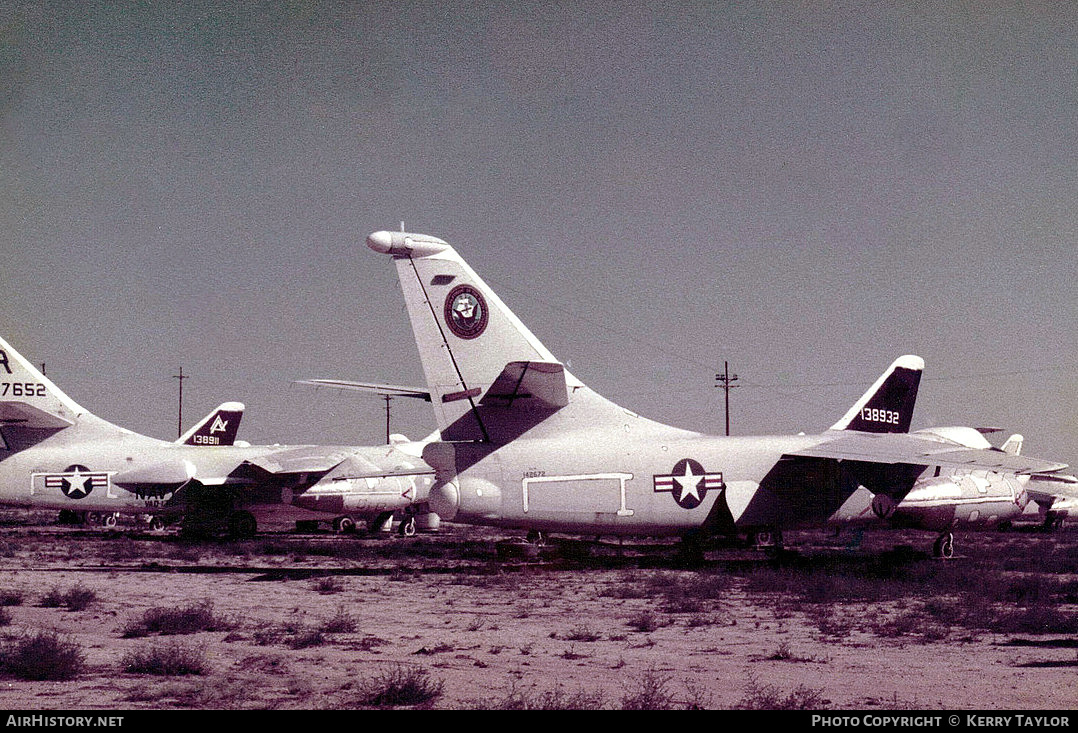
179 421
725 381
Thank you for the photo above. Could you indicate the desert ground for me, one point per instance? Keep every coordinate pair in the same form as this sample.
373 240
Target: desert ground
126 619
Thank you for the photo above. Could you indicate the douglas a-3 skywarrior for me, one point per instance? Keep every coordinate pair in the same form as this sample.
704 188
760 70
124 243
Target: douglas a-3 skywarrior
525 444
55 454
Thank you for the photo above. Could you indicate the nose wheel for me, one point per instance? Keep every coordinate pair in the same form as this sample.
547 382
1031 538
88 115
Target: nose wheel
944 546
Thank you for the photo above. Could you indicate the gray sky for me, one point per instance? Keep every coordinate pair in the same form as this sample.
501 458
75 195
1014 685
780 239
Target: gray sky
805 189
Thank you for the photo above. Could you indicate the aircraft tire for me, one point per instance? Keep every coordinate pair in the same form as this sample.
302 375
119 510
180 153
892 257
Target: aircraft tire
408 528
944 546
342 525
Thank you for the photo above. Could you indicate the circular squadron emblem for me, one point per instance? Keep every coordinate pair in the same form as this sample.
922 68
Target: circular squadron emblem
465 312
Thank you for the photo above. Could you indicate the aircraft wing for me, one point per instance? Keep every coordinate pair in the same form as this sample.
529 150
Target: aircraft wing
384 390
24 415
893 448
1052 486
303 459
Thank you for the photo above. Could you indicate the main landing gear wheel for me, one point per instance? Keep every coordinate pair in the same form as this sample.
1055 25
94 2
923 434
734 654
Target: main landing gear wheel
536 537
157 524
342 525
407 528
944 547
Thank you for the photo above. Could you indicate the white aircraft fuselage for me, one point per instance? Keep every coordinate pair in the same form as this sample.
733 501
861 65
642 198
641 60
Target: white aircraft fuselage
55 454
525 444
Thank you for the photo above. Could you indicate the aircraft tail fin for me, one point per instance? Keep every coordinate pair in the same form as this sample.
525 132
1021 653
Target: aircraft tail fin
489 377
887 406
1013 445
217 428
31 406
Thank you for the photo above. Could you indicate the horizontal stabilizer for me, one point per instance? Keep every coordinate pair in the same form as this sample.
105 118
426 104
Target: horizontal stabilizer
895 448
526 383
382 390
23 415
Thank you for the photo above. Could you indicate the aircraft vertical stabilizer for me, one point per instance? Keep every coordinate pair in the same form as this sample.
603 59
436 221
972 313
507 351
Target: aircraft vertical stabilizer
887 406
469 340
31 406
217 428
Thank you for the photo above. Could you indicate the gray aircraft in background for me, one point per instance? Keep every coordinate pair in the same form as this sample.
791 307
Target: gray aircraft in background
55 454
525 444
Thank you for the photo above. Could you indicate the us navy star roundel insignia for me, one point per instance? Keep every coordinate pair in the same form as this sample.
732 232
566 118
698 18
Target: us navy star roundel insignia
688 482
77 481
466 312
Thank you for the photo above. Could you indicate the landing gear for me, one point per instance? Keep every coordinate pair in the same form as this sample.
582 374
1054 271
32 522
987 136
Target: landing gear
381 523
536 537
1053 520
407 528
71 517
242 525
944 546
343 525
769 540
157 524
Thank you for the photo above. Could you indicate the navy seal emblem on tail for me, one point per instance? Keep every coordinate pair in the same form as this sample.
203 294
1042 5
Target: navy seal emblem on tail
465 312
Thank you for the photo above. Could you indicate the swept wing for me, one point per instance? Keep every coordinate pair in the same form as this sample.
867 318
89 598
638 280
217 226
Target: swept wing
896 448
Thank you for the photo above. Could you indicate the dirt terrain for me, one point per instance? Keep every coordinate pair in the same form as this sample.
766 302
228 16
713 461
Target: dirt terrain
288 621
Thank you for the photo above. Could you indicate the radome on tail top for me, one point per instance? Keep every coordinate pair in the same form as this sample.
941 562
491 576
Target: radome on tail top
56 454
525 444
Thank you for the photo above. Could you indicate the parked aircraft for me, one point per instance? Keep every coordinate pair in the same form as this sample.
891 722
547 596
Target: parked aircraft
526 444
217 428
944 501
56 454
984 500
